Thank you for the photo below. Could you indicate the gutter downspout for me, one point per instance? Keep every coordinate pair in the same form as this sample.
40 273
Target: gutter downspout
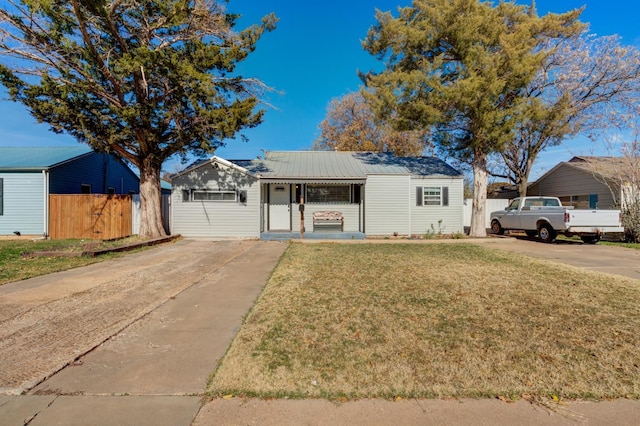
45 175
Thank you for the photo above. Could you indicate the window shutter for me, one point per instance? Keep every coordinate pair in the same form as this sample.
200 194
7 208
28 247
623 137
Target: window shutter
445 195
1 195
593 201
186 196
419 196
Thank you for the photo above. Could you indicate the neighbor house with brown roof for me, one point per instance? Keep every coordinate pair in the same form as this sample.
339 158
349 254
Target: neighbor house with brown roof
584 182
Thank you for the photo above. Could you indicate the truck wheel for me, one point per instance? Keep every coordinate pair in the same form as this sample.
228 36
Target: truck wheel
591 239
496 228
531 234
546 233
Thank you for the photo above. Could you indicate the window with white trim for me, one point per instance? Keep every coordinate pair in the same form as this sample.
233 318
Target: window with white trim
209 195
432 196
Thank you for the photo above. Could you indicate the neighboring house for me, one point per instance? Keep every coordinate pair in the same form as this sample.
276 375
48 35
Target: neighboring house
375 194
579 182
28 175
165 187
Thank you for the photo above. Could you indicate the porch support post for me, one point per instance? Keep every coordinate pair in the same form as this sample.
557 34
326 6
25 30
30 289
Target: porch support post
302 217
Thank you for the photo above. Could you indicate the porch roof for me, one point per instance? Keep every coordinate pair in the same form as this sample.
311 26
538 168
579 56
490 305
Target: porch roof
324 181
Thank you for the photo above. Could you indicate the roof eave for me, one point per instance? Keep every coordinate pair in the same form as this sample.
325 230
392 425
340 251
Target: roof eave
215 160
25 169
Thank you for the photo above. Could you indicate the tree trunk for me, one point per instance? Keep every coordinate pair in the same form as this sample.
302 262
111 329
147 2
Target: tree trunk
523 183
150 201
480 177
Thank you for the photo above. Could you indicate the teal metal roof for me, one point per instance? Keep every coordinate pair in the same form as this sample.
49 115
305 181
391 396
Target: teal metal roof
38 157
342 165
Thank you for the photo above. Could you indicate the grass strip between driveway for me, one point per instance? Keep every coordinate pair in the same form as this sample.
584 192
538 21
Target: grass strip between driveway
14 266
434 321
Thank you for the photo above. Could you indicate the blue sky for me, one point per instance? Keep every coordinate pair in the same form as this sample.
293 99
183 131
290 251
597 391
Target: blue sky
312 57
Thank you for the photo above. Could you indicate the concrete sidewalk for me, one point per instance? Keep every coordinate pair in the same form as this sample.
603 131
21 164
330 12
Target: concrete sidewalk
155 370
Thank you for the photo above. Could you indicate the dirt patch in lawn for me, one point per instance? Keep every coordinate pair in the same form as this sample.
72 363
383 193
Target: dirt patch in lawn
97 248
435 320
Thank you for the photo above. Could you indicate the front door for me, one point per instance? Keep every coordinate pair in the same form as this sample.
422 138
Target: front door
279 207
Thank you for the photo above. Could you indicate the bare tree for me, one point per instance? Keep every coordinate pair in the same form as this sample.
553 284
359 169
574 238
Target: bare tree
588 84
351 125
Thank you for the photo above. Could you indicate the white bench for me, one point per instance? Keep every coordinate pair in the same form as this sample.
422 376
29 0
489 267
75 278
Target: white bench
328 220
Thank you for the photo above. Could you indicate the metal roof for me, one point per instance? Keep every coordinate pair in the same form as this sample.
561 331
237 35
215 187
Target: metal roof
342 166
38 157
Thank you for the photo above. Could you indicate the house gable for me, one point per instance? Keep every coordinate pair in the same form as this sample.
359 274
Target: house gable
101 172
215 199
571 180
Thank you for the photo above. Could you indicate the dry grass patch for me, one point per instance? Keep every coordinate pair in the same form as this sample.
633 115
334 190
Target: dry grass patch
436 320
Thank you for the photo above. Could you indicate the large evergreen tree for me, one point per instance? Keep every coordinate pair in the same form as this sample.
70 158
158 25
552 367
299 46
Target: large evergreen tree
459 68
142 79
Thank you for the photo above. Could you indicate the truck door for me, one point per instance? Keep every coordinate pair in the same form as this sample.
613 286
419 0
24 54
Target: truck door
511 220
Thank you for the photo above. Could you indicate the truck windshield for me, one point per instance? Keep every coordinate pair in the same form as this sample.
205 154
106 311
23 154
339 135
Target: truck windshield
541 202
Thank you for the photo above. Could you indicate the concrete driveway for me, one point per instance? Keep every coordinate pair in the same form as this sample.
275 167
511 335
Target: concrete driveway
126 341
593 257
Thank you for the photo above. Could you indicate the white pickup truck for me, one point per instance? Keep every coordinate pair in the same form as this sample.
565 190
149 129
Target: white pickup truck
546 217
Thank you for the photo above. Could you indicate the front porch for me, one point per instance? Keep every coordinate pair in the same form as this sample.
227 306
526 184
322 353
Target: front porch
286 236
331 210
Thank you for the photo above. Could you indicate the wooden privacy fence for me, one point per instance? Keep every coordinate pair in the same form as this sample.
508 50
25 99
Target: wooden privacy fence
92 216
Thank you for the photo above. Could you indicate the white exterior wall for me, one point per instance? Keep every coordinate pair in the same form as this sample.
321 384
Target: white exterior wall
211 219
422 217
387 200
24 203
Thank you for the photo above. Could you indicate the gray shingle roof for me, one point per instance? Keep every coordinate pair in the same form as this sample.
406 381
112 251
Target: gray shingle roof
38 157
342 165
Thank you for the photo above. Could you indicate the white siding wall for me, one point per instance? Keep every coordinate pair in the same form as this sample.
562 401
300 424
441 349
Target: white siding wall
351 213
387 205
422 217
216 219
24 204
